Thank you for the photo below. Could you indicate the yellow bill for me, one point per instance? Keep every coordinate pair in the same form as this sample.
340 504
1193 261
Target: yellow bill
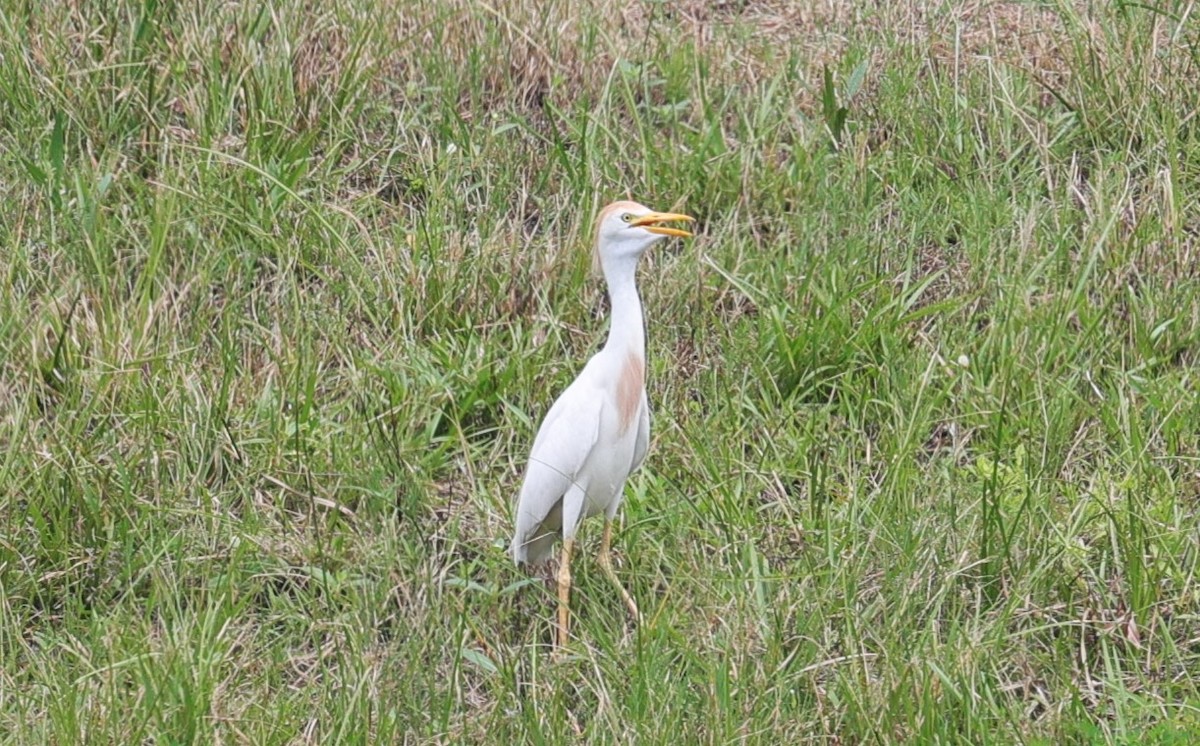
651 223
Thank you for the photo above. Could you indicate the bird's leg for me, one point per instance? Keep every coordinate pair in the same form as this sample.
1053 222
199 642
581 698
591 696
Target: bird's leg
564 591
606 565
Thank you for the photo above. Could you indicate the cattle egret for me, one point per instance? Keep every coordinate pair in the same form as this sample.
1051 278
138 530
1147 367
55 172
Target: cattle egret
596 433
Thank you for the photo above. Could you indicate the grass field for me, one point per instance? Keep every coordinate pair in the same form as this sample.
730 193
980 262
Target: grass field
288 287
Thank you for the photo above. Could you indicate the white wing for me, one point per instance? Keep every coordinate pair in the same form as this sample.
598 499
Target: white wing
562 446
642 444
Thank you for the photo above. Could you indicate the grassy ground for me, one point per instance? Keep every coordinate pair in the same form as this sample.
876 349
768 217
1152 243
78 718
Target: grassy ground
288 287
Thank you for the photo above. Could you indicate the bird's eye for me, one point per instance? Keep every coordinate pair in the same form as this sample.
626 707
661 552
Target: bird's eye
627 218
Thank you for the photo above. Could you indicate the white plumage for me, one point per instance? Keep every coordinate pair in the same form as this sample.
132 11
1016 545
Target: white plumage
597 432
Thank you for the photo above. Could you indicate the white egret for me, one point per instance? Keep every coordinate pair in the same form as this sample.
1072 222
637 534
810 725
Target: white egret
597 432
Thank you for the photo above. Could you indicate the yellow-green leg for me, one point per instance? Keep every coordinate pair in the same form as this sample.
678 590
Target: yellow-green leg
606 566
564 592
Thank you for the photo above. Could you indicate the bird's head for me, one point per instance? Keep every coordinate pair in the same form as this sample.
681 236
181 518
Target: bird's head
625 230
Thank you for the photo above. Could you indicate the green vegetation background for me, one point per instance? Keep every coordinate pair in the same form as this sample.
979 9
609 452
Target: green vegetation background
287 287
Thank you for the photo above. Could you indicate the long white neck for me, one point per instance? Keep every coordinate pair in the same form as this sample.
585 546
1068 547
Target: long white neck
627 330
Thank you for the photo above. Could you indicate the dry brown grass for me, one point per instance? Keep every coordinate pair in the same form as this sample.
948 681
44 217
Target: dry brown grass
544 51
